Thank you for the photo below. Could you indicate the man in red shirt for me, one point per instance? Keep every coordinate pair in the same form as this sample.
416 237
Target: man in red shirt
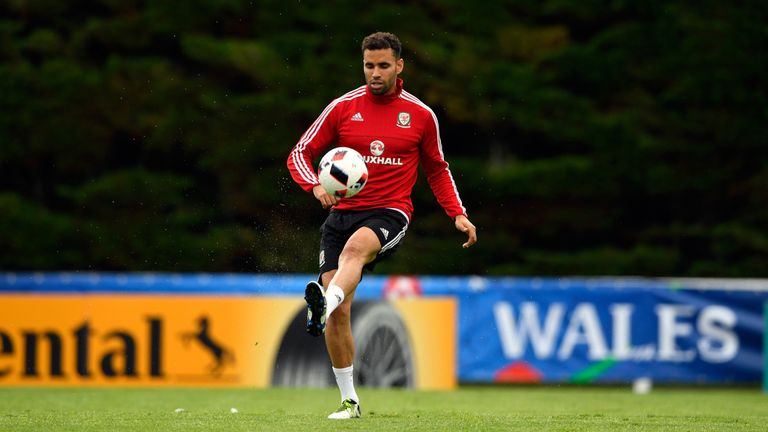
394 131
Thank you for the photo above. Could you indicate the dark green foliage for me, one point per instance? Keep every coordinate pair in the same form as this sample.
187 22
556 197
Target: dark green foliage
586 137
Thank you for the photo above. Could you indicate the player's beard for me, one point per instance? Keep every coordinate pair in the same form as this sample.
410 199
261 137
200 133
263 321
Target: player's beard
384 89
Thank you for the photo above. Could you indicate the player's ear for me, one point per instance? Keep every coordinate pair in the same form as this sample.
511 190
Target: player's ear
400 64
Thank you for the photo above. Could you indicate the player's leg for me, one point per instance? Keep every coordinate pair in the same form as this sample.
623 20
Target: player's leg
379 235
341 350
338 335
341 347
361 248
338 331
333 236
375 235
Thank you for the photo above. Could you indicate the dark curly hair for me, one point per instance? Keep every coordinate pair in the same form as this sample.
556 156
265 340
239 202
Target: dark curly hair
383 40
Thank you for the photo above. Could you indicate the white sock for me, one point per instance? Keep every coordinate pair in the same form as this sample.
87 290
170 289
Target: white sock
333 298
346 386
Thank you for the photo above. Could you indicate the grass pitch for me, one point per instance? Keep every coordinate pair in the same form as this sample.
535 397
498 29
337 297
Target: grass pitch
469 408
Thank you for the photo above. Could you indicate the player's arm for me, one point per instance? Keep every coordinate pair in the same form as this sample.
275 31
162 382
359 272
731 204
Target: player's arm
313 142
441 181
464 225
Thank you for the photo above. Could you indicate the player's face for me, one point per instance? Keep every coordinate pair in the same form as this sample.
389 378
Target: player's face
381 69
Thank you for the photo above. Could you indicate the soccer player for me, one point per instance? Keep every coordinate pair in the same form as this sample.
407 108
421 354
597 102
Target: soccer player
394 131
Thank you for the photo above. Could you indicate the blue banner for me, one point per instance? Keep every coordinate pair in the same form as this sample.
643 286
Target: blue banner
610 334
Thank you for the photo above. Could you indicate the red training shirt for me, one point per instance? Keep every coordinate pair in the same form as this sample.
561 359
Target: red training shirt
393 133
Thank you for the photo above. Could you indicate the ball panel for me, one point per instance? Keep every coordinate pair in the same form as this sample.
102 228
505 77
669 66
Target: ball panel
339 174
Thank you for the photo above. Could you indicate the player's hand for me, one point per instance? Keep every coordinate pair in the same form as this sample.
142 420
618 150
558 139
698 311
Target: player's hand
325 199
464 225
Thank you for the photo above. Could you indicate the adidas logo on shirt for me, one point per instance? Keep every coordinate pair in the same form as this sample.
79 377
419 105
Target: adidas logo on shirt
357 117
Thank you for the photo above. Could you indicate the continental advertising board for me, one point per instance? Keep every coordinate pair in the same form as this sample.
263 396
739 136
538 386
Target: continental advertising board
97 339
247 330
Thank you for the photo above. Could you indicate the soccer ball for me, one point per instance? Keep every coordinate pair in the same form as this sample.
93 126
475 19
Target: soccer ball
342 172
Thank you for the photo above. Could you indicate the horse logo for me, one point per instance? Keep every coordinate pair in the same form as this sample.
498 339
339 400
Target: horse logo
221 355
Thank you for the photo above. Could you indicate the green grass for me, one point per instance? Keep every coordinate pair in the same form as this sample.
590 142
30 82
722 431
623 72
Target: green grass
470 408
